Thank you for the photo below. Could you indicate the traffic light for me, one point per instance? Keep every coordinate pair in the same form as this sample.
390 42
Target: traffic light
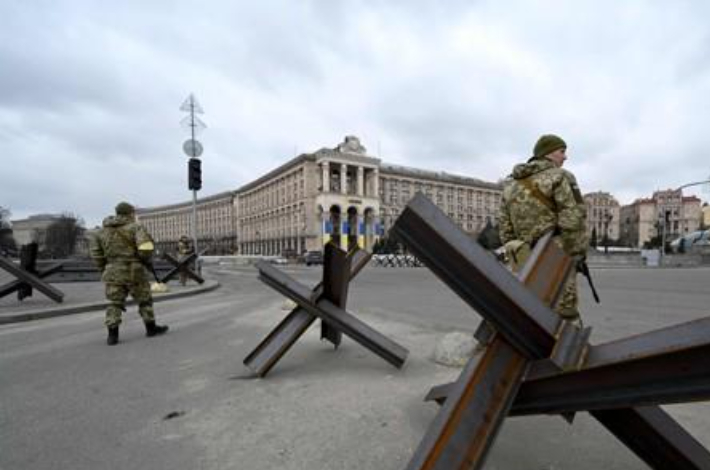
194 174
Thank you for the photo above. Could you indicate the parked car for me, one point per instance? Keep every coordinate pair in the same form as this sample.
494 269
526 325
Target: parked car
313 257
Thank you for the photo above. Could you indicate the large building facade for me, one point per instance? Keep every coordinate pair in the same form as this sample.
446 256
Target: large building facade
603 215
216 224
33 229
340 194
643 219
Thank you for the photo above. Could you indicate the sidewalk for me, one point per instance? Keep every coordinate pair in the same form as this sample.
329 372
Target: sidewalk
80 297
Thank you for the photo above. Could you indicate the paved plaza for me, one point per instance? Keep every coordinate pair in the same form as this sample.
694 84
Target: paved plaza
185 401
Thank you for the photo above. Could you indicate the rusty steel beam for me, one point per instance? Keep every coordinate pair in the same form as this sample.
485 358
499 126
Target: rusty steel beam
478 403
661 367
439 393
487 287
12 286
272 348
32 280
655 437
465 428
665 366
331 313
181 266
336 277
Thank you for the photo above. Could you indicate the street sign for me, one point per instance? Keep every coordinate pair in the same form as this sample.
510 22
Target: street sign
192 148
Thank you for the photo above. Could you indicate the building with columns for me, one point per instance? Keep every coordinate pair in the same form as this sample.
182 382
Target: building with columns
603 212
340 194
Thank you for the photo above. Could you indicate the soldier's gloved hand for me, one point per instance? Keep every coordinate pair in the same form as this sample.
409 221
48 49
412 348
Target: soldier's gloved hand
580 263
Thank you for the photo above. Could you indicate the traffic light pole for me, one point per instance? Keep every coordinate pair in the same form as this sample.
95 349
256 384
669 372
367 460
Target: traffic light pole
194 226
194 193
193 149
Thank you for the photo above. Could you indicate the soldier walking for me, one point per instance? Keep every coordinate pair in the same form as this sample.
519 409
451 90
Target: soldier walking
538 197
122 250
184 249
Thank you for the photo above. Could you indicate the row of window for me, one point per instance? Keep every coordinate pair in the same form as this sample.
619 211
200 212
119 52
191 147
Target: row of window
288 188
214 219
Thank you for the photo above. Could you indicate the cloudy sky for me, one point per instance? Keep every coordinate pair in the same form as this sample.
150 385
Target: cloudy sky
90 92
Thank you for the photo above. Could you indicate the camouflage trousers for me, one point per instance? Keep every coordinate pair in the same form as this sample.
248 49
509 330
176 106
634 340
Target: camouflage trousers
183 275
567 306
116 294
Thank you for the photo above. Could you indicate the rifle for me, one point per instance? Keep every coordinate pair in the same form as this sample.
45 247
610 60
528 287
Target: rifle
149 266
583 269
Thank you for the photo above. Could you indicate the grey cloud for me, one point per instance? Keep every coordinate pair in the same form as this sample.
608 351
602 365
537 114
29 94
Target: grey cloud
93 91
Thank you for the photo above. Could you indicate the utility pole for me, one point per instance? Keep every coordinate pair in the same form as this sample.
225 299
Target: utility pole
193 149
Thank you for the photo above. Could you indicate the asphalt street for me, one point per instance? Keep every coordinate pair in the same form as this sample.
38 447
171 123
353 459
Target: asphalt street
185 401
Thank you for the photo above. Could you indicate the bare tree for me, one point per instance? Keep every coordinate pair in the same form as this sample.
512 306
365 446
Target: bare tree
7 242
62 235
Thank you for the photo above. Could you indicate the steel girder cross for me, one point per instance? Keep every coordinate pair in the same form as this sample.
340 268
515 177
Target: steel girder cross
27 280
181 265
532 343
326 301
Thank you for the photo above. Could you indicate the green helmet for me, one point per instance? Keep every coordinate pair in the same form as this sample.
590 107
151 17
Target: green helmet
124 208
547 144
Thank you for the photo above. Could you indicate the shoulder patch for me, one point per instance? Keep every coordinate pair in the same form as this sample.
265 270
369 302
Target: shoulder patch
146 246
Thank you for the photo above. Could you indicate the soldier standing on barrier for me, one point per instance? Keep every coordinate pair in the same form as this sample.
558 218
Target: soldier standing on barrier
122 250
538 197
184 249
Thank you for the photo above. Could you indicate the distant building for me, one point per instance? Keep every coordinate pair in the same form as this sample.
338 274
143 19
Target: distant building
683 214
637 223
603 215
706 215
216 219
644 218
339 194
33 229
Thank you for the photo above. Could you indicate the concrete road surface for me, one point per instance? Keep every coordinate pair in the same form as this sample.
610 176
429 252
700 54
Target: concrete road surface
185 401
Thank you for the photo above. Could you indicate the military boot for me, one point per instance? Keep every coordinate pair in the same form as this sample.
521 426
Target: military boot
151 329
112 338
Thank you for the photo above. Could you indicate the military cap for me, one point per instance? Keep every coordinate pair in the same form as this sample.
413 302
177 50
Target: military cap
547 144
124 208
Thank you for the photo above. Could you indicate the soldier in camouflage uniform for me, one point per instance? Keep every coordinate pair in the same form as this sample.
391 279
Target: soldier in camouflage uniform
121 250
185 249
538 197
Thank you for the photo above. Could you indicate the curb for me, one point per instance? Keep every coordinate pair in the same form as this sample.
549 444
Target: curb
208 286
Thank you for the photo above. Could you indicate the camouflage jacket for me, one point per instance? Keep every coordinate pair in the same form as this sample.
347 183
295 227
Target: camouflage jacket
118 248
185 247
539 197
